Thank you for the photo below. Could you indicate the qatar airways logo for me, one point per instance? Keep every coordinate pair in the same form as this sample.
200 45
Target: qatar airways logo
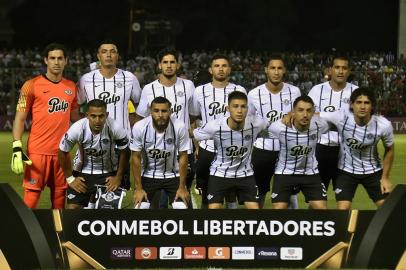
355 144
109 98
158 153
235 151
57 105
274 115
215 108
300 150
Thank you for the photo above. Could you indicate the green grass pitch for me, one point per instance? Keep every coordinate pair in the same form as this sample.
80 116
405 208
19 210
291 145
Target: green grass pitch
361 200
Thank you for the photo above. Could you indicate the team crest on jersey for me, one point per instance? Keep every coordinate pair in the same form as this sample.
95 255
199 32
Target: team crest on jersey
109 196
313 137
300 150
32 181
180 93
330 108
286 102
169 141
105 141
247 137
346 100
119 84
56 105
68 92
370 136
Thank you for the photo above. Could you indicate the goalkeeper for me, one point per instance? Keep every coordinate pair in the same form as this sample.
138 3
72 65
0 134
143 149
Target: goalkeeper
98 137
50 99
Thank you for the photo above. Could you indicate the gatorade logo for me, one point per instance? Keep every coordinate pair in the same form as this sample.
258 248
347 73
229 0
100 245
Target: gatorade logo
219 253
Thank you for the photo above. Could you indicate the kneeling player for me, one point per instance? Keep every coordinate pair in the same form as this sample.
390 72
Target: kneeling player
297 166
95 162
233 138
156 143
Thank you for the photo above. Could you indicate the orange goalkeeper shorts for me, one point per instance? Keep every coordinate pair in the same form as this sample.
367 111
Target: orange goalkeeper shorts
44 171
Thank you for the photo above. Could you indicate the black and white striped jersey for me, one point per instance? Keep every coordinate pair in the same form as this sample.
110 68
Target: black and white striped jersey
234 148
159 150
297 153
96 152
327 100
265 104
358 145
211 103
115 91
180 95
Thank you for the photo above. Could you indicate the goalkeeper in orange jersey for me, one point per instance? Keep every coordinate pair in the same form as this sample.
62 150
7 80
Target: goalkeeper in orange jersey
51 101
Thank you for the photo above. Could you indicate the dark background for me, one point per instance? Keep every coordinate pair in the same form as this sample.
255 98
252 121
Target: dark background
209 24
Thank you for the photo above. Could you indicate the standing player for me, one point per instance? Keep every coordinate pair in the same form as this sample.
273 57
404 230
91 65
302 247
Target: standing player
98 136
328 97
114 86
296 168
234 137
157 142
51 100
178 91
359 162
210 101
270 100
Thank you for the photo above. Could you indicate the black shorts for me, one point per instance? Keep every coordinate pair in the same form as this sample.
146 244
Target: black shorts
91 180
244 187
347 184
203 163
286 185
153 185
327 158
263 164
190 170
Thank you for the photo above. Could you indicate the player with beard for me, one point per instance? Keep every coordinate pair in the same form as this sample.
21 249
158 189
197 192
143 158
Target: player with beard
210 102
157 142
178 91
115 87
98 136
331 96
270 100
296 168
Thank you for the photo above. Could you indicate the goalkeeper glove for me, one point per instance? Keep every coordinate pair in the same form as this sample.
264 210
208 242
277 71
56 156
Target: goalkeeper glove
19 158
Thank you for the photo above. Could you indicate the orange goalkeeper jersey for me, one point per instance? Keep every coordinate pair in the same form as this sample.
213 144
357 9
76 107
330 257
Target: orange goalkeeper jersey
50 105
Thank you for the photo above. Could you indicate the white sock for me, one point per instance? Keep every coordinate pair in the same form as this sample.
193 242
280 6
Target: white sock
293 203
90 206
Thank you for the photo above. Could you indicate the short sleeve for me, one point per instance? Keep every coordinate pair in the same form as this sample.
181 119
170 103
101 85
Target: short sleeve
136 137
143 107
26 99
184 141
135 91
206 132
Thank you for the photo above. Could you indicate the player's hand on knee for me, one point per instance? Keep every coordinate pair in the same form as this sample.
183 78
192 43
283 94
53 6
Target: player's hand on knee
78 184
112 183
139 196
19 158
182 194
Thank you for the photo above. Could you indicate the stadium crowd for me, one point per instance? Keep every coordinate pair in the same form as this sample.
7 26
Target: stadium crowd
381 71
